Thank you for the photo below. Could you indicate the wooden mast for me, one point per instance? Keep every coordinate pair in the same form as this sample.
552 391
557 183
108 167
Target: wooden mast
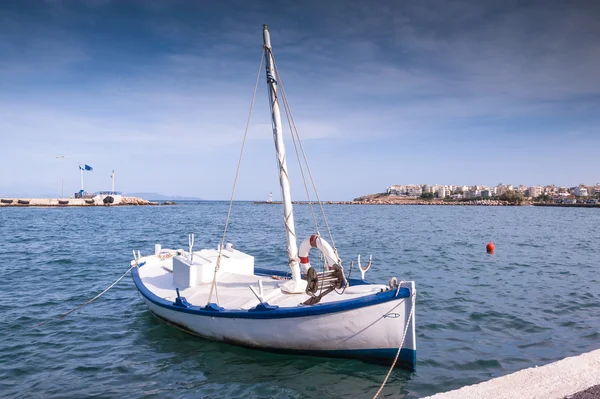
296 284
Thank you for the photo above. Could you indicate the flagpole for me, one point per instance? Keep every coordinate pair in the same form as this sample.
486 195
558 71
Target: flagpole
81 172
112 177
62 192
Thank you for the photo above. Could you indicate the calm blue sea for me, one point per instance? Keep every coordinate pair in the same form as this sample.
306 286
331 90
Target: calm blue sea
534 301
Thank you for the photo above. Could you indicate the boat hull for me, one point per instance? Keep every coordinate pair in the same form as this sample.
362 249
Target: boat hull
371 329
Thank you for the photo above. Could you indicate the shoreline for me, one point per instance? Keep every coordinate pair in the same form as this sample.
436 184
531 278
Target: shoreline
435 202
404 202
567 205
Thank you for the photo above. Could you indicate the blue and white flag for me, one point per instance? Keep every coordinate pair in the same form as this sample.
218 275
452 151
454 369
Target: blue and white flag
86 167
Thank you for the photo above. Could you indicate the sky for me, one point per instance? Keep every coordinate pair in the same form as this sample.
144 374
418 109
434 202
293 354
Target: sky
383 92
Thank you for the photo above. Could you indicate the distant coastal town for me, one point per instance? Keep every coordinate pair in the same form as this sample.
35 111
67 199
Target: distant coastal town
542 193
499 195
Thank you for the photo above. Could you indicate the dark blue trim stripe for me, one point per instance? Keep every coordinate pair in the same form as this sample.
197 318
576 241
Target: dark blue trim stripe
278 313
385 356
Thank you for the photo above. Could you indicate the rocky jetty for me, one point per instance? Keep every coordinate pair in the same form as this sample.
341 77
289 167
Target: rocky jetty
390 200
384 199
66 202
597 206
136 201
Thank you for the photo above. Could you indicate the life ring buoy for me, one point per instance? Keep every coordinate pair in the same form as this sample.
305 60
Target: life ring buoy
316 241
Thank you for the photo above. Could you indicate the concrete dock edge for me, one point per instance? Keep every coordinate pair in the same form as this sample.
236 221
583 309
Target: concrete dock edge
67 202
555 380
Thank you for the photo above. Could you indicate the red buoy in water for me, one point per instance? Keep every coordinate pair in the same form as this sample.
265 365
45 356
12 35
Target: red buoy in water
490 248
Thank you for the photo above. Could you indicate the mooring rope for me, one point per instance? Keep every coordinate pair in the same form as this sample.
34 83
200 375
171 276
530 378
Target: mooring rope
91 300
414 294
237 173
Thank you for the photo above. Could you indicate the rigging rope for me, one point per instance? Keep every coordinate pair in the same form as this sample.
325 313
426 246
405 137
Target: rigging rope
295 130
213 286
414 294
91 300
286 218
280 159
288 112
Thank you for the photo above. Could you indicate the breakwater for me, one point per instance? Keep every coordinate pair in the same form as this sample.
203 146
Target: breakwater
95 201
567 205
392 201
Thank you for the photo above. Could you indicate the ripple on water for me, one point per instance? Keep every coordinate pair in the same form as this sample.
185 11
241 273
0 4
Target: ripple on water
478 364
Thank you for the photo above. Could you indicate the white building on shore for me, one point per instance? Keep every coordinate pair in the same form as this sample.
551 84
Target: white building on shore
535 191
442 192
415 191
581 191
502 188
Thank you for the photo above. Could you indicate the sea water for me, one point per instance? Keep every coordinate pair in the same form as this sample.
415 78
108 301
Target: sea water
479 316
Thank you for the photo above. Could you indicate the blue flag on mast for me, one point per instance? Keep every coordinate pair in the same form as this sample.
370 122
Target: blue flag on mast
86 167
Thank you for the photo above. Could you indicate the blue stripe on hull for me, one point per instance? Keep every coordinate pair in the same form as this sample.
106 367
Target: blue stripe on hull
407 358
384 356
275 312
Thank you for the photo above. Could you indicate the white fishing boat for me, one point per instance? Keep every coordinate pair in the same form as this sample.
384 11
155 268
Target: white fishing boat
219 294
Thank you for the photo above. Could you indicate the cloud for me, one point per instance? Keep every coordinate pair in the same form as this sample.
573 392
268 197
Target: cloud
174 77
500 58
30 50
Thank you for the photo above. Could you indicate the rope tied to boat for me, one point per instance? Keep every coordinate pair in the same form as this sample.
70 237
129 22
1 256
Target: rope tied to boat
167 255
94 298
410 316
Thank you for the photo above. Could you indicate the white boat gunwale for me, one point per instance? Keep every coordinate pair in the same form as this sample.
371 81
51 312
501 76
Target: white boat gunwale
265 311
